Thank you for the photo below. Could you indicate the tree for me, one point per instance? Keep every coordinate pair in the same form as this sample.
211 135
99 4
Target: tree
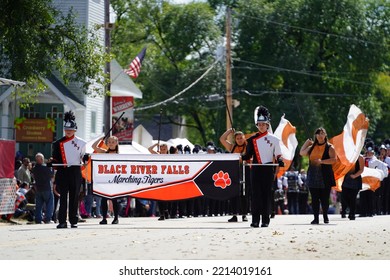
181 41
311 59
36 39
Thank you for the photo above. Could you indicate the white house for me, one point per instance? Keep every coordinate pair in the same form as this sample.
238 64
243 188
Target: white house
59 98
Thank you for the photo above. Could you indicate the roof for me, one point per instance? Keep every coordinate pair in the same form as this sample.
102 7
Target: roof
63 89
121 84
7 82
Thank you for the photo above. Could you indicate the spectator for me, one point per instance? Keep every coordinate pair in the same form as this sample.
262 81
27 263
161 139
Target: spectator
43 176
23 174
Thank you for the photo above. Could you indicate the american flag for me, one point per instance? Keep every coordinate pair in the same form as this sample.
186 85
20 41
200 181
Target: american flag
135 66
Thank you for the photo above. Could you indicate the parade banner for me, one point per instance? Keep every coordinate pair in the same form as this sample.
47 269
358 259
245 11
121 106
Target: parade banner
166 177
124 128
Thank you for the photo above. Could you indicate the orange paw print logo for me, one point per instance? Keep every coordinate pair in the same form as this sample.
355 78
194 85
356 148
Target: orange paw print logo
221 180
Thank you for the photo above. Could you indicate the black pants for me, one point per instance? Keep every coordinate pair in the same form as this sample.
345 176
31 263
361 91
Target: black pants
262 193
320 195
292 203
386 195
348 201
302 202
366 203
68 182
115 206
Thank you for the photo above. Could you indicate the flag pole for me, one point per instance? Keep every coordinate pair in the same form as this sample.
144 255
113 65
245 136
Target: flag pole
107 42
108 133
159 132
229 101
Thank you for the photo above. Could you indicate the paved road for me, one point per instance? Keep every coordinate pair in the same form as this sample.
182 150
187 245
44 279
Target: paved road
207 238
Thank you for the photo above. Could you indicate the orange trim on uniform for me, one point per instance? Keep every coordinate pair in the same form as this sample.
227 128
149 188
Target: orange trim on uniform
63 150
257 152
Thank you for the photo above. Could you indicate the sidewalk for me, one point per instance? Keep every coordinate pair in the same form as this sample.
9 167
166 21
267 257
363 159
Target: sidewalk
289 237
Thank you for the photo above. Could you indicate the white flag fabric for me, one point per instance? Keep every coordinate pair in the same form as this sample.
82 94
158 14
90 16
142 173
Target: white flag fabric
372 178
349 143
288 143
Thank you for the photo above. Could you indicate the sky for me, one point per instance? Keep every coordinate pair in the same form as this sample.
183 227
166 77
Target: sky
186 1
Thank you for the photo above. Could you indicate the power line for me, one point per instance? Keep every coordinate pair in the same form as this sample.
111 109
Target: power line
181 92
303 72
311 30
257 93
318 72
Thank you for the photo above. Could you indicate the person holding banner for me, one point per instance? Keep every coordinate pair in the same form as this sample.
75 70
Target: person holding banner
162 205
112 147
67 156
239 146
264 150
320 176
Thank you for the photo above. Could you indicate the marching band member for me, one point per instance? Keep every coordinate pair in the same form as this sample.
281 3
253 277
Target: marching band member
264 150
68 153
320 176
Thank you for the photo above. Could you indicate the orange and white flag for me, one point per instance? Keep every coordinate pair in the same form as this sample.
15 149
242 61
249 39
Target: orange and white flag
349 143
288 143
86 170
372 178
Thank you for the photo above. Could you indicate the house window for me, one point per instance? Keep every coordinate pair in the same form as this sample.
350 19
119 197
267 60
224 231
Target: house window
93 122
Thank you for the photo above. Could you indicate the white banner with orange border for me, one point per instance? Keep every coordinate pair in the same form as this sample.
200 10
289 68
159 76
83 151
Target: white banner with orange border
166 177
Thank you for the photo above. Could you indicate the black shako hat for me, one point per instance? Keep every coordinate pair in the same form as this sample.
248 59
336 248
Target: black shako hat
69 121
262 114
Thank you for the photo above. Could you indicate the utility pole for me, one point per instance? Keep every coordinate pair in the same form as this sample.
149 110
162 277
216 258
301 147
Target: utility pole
107 43
229 100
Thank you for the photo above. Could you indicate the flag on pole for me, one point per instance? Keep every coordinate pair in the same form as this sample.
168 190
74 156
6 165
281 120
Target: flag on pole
288 143
135 66
349 144
372 178
86 170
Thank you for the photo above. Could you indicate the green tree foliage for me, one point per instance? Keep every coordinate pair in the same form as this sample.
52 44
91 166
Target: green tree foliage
36 39
309 59
181 41
312 59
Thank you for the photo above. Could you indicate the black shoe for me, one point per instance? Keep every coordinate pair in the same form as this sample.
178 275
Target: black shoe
233 219
343 216
352 218
326 219
162 218
103 222
264 225
255 225
244 218
315 222
73 225
62 225
115 221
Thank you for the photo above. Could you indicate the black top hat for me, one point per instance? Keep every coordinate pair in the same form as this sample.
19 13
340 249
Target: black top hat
69 121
